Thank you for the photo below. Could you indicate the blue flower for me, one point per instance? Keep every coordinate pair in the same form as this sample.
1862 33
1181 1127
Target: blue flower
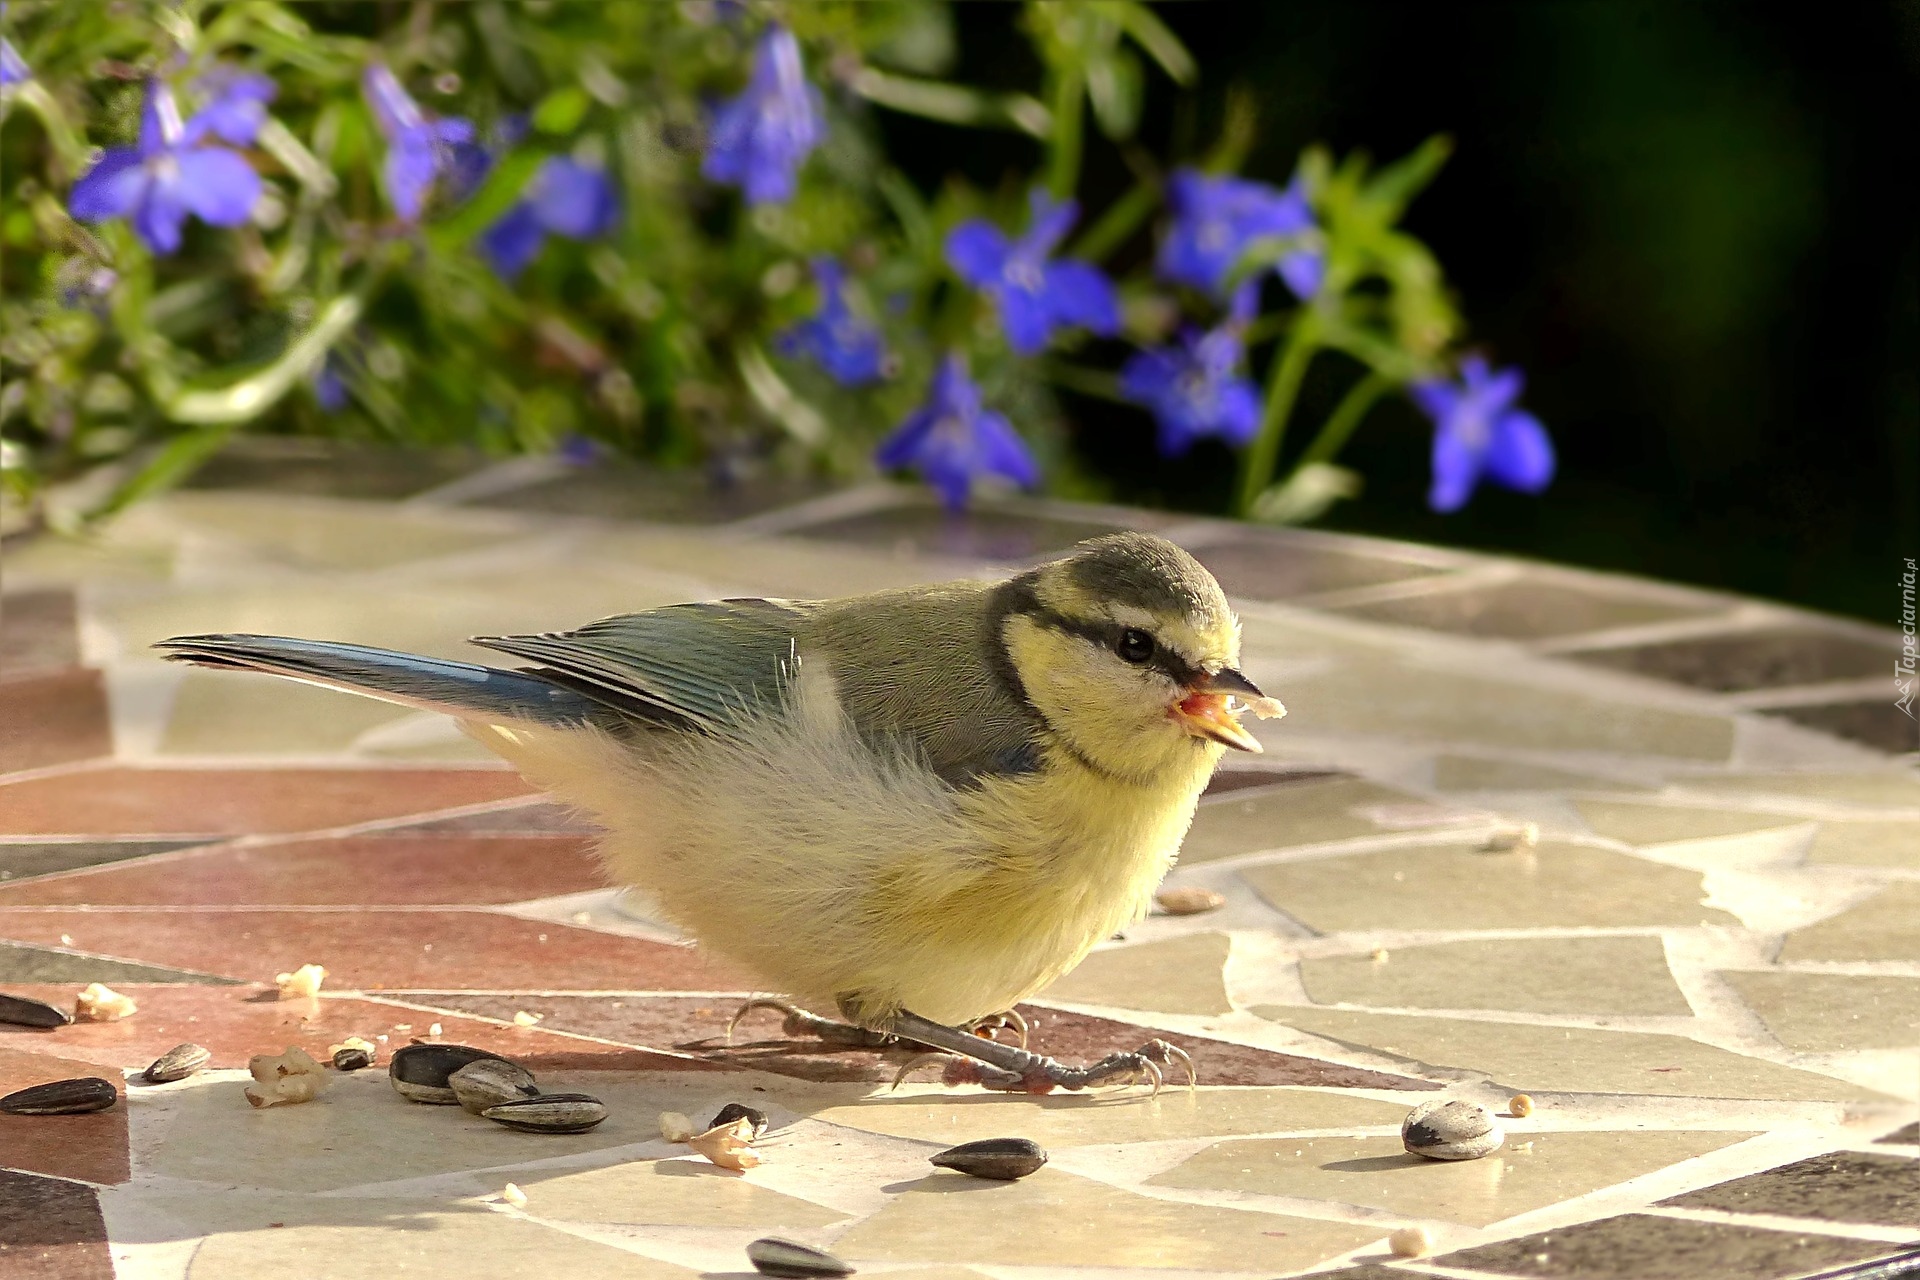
1215 219
420 150
175 170
13 67
758 140
1194 387
846 346
236 105
329 388
1034 296
566 198
952 439
1478 431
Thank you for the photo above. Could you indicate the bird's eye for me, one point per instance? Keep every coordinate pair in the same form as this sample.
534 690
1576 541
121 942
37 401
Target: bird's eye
1135 646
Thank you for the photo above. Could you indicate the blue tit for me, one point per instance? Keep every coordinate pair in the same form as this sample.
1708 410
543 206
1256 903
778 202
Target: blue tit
917 807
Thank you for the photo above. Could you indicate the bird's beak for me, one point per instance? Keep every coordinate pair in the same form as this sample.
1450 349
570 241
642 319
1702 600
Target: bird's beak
1209 711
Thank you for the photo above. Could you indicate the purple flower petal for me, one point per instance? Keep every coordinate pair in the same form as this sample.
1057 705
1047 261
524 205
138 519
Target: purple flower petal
1456 470
13 67
1477 431
1215 219
413 159
952 441
1048 226
160 126
236 106
1521 456
759 140
394 110
1080 295
977 251
512 242
1304 272
574 200
158 217
218 185
840 342
111 188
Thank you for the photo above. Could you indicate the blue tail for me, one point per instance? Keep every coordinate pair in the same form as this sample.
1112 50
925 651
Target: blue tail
462 689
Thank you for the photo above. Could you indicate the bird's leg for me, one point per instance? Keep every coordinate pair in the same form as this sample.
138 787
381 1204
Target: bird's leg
798 1022
993 1024
1012 1069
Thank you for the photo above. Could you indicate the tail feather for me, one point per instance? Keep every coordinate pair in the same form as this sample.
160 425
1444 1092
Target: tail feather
462 689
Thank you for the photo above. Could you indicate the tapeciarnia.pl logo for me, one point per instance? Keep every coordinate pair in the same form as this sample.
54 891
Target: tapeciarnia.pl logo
1903 666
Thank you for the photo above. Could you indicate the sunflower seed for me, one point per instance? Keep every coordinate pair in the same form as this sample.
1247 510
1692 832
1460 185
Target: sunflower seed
1457 1130
178 1063
488 1082
62 1098
419 1072
352 1060
772 1256
740 1111
1189 900
25 1011
1002 1159
550 1113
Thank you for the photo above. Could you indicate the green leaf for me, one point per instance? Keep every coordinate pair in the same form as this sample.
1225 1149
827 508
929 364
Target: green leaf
952 103
1306 494
561 111
252 396
1396 184
1115 87
173 463
495 196
1154 38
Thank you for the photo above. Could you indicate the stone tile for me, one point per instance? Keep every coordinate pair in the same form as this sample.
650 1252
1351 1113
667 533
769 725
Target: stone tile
1659 824
986 533
385 870
1225 780
38 631
542 818
1895 787
91 1148
1910 1134
51 1230
216 714
1180 975
1829 1012
20 963
1520 975
1454 886
252 1236
1640 1246
1875 723
1479 773
1525 609
164 801
619 490
20 859
402 949
1536 1059
682 1193
1056 1219
1273 566
330 468
1867 843
1884 927
1408 702
1300 813
237 1022
1378 1172
1841 1186
1078 1120
323 535
698 1024
332 1141
1742 660
53 718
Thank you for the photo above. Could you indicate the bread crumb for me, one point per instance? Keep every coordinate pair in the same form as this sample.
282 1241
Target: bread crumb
1379 955
352 1042
1519 1105
304 981
524 1019
728 1145
675 1126
514 1196
289 1077
1411 1242
101 1003
434 1030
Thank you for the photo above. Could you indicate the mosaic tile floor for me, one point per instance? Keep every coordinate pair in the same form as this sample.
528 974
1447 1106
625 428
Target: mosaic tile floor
1706 973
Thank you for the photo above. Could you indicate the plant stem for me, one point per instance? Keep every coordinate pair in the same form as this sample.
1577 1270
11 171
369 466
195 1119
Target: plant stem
1121 219
1346 415
1063 149
1283 385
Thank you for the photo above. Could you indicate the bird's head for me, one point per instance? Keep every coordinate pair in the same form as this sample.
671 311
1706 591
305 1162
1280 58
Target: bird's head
1127 647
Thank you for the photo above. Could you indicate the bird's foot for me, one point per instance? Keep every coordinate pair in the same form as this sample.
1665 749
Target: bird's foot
990 1027
798 1022
971 1059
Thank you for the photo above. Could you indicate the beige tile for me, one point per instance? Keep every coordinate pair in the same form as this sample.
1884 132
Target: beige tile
684 1193
1477 773
1827 1012
1520 975
1898 787
1659 824
1181 975
1296 814
1379 1173
233 713
1884 927
1867 843
1405 701
1454 886
1536 1059
253 1237
1056 1219
1076 1120
319 534
791 567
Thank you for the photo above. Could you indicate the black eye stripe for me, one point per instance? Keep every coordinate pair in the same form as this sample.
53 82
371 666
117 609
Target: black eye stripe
1107 635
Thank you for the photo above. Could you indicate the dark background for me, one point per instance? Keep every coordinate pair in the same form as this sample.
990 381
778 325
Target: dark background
1693 225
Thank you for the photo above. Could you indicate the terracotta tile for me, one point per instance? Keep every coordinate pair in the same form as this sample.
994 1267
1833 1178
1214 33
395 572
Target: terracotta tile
1841 1186
542 818
38 631
1272 566
698 1025
1526 609
128 801
413 950
1639 1246
382 870
51 1230
52 719
22 963
20 859
92 1148
980 534
238 1022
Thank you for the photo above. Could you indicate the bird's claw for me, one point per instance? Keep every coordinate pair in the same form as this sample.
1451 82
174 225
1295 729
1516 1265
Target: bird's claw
1044 1075
799 1022
989 1027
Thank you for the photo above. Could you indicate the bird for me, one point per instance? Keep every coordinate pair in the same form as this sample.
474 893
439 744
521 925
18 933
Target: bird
915 807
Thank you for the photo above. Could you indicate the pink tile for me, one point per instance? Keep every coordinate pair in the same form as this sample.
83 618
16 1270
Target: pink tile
52 718
90 1147
51 1230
